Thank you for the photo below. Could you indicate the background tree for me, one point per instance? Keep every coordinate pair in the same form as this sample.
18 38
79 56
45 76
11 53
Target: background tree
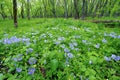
15 13
28 9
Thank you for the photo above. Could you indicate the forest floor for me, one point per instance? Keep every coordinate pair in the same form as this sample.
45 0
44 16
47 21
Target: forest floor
59 49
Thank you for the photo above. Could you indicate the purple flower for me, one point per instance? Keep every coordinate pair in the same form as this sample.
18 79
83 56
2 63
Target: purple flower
75 44
18 57
57 42
71 46
107 58
18 70
62 46
97 45
31 71
61 38
84 41
117 58
32 60
104 40
30 50
70 55
118 36
113 56
66 50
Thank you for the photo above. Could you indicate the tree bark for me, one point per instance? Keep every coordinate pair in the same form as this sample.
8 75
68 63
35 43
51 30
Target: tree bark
22 11
15 13
66 10
83 9
76 9
2 11
28 9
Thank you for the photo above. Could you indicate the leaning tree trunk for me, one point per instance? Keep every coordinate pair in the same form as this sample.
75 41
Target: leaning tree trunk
15 13
76 9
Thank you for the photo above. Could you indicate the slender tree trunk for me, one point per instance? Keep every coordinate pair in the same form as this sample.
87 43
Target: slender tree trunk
28 9
15 13
45 10
66 9
53 8
83 9
76 9
2 11
22 11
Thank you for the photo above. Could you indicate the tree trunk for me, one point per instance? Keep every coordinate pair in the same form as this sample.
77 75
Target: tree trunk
83 9
15 13
2 11
45 10
66 10
76 9
22 11
28 9
53 8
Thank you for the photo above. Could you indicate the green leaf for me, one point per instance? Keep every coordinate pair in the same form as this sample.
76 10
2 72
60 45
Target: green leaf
1 76
54 64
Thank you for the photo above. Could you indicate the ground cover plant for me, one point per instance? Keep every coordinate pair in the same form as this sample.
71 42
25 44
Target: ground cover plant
58 49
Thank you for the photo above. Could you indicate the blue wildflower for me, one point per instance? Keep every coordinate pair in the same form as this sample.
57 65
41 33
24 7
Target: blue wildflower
117 58
107 58
70 55
62 46
61 38
30 50
104 40
31 71
66 50
32 60
71 46
18 70
113 56
97 45
75 44
57 42
118 36
84 41
18 57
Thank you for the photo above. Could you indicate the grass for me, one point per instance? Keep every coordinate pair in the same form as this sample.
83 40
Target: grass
58 49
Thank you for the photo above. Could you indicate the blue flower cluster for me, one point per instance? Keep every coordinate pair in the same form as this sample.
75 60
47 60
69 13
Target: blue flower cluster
31 71
29 50
19 57
113 57
11 40
14 39
113 35
32 60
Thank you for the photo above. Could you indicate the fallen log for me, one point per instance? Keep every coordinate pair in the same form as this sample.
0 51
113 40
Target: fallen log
104 21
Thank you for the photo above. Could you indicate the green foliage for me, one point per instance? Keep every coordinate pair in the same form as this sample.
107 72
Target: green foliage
58 49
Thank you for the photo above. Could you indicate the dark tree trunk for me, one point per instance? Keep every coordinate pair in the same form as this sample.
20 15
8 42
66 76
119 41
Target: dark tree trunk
15 13
53 8
2 11
22 11
28 9
83 9
45 10
66 10
76 9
